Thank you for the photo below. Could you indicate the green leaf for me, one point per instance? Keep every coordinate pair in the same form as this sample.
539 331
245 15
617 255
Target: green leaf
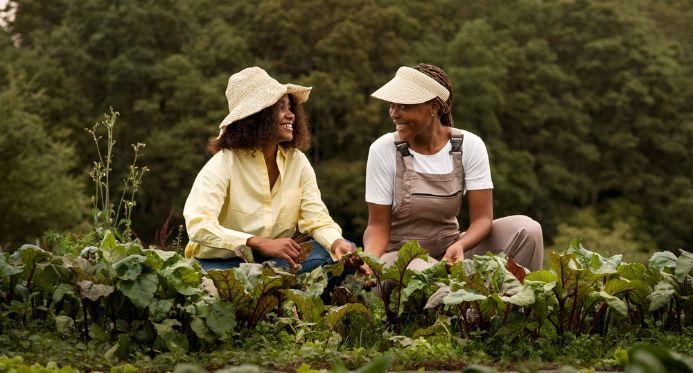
523 298
411 288
613 302
560 264
378 365
64 324
309 308
661 296
305 368
650 358
92 291
125 368
440 327
201 330
543 276
156 257
336 269
663 259
458 271
335 314
636 287
182 276
600 265
437 297
121 349
111 249
7 269
97 333
375 263
504 280
229 288
29 255
406 254
438 271
250 276
273 277
684 265
492 303
264 306
61 290
476 368
314 282
141 291
220 317
462 295
129 268
175 342
632 271
159 309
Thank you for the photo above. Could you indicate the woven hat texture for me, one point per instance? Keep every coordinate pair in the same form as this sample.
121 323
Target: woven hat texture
410 86
252 89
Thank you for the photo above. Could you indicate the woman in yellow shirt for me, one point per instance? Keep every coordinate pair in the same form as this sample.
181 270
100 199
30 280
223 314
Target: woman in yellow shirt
258 187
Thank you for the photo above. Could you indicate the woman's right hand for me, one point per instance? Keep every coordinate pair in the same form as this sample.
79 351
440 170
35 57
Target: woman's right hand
284 248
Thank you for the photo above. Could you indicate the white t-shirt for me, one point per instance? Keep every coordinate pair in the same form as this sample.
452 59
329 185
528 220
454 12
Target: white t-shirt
381 166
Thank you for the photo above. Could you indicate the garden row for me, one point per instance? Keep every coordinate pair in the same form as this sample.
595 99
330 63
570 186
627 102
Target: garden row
147 299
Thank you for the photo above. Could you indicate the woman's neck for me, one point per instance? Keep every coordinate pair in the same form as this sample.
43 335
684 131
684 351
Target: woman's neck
430 142
270 155
270 152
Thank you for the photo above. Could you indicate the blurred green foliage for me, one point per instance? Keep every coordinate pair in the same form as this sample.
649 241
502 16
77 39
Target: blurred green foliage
581 103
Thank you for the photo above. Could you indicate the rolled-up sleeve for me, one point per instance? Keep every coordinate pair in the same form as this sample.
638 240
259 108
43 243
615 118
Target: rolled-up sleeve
203 206
314 219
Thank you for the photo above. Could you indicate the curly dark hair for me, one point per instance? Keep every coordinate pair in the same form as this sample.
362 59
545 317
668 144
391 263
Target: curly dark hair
439 75
258 129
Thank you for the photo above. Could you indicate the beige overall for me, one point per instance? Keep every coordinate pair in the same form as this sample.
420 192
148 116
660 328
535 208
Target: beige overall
426 207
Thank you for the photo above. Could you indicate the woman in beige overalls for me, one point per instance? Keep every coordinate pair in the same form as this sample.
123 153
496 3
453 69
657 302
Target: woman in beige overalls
417 176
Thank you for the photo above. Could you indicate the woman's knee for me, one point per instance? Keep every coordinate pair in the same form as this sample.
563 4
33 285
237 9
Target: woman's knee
530 227
528 245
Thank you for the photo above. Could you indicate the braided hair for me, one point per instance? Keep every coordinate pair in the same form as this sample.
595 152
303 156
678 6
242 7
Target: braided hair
435 72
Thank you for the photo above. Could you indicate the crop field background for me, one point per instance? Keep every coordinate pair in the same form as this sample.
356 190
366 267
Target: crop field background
586 109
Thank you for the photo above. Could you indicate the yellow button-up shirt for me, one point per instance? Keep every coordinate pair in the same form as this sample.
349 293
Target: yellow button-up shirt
231 201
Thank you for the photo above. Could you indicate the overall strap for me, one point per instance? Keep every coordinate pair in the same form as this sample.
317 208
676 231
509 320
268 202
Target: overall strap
404 165
456 139
405 154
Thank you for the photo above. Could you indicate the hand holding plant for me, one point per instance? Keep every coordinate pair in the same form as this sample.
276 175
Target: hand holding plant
454 253
342 247
284 248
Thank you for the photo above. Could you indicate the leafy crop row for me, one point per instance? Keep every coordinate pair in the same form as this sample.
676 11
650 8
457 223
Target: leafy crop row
129 296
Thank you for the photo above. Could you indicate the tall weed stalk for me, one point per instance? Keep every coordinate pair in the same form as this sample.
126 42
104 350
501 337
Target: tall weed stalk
105 215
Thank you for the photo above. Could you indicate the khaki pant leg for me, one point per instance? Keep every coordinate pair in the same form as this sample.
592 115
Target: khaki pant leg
519 236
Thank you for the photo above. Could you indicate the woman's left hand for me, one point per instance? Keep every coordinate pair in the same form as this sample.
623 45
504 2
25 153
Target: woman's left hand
454 253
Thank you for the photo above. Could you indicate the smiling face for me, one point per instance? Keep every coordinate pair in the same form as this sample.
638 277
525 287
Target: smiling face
412 120
285 120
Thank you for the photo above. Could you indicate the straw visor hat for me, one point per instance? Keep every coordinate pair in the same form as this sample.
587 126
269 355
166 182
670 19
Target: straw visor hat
410 86
252 89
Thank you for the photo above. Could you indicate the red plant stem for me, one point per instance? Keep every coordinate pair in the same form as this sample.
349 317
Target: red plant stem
575 298
86 329
481 315
630 312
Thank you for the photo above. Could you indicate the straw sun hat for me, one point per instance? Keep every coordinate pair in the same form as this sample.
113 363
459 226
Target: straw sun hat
252 89
410 86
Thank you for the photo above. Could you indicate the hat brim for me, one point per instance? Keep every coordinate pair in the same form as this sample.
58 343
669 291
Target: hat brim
300 93
400 90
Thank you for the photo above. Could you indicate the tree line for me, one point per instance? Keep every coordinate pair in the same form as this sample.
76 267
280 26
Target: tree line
585 107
